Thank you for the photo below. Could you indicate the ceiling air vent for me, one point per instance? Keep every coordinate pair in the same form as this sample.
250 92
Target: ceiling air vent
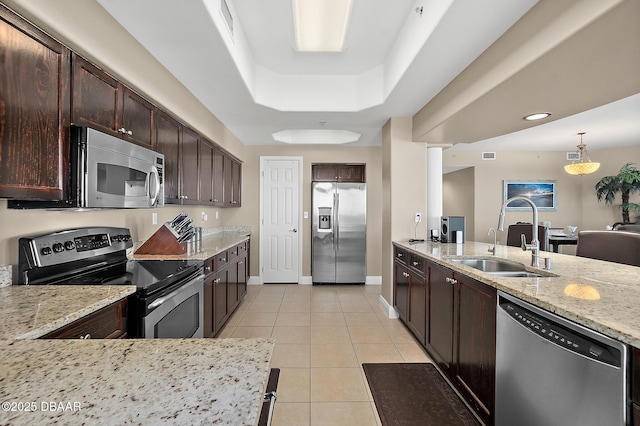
573 156
226 14
488 155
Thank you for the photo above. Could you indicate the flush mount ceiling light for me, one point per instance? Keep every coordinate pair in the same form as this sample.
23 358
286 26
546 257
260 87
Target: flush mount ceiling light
584 166
537 116
321 25
316 136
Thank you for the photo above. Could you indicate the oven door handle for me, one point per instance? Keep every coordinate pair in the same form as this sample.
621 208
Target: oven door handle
161 300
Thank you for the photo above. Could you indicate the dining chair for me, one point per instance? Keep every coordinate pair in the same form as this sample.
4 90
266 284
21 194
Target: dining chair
611 246
514 231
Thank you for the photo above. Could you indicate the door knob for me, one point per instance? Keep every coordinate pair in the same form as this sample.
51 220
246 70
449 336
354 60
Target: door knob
294 230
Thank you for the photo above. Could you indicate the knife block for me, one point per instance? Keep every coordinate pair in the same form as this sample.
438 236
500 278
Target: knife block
163 241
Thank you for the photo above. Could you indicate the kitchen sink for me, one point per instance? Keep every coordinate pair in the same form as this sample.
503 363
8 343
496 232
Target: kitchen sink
496 267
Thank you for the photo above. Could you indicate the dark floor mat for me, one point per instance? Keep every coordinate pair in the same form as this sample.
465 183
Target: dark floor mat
412 394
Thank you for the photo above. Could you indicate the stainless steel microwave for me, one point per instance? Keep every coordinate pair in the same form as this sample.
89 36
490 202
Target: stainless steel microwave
108 172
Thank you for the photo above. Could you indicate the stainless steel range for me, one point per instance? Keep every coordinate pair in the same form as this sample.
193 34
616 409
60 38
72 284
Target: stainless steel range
168 302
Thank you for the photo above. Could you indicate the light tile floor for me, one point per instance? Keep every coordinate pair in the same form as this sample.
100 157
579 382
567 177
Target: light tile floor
323 334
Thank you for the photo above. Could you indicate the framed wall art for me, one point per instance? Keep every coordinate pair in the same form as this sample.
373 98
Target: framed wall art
541 192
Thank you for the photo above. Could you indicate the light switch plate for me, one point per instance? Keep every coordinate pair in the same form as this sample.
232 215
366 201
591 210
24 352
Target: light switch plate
306 215
154 218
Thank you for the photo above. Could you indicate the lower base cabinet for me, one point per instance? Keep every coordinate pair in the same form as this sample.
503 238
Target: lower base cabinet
225 285
109 322
460 319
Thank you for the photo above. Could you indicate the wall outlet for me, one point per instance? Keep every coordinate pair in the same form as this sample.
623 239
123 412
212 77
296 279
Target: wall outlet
217 217
204 217
418 217
154 218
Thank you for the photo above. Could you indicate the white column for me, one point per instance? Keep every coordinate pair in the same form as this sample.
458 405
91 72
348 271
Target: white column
434 189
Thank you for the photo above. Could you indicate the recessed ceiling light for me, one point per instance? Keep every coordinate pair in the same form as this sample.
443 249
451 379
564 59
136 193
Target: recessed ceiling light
537 116
321 25
316 136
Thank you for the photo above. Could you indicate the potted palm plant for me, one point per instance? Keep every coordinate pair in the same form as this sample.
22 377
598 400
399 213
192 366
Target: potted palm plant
626 182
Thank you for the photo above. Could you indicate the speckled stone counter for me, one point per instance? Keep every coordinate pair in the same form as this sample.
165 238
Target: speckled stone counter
31 311
612 290
209 246
145 381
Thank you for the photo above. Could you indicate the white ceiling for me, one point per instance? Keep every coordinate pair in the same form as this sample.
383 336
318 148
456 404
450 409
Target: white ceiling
396 59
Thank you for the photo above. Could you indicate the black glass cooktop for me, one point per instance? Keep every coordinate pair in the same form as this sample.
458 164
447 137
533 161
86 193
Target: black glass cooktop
147 275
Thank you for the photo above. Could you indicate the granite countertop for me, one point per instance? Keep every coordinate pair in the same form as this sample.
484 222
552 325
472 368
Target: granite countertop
209 246
136 381
31 311
612 289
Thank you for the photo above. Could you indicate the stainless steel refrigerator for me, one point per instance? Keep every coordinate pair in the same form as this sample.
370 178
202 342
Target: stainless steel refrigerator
339 225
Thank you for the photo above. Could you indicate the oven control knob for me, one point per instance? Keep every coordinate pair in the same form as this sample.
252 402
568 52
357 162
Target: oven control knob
126 237
45 251
58 247
69 245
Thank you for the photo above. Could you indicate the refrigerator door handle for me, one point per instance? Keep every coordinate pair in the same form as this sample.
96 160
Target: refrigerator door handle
337 221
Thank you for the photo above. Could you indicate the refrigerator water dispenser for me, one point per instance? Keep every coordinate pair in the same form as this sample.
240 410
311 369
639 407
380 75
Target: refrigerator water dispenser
324 219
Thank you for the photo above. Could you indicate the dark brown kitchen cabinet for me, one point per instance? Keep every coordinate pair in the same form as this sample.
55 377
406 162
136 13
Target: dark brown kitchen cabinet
418 290
109 322
635 386
34 111
338 172
225 286
401 284
442 288
218 177
101 102
95 97
474 345
459 324
189 167
168 140
232 182
205 177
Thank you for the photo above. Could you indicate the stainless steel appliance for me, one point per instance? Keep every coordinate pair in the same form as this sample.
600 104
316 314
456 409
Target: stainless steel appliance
550 371
339 222
169 297
108 172
451 227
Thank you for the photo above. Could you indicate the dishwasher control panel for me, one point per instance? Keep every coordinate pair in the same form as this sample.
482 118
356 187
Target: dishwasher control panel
561 336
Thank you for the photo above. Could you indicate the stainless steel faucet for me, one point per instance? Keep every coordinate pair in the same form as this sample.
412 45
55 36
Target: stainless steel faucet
492 250
535 244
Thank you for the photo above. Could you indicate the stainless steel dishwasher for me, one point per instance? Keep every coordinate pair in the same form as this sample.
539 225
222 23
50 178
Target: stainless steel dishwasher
551 371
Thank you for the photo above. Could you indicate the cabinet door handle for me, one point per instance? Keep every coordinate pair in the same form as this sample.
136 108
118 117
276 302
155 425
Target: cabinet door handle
400 254
451 280
415 263
86 336
405 274
216 281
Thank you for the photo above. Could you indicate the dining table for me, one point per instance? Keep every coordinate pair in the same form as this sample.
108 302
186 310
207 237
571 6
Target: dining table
559 240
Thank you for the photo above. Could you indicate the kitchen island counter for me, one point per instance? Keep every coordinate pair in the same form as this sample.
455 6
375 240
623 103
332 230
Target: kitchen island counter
31 311
602 296
136 381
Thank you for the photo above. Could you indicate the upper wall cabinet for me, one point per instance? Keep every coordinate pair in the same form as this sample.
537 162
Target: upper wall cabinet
34 111
101 102
232 182
335 172
168 139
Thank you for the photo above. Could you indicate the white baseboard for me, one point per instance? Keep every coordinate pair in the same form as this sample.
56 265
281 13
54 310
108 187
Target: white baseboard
389 310
369 280
255 280
373 280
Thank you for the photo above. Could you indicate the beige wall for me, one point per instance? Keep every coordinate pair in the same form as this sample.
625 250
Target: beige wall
458 197
577 203
17 223
404 176
249 214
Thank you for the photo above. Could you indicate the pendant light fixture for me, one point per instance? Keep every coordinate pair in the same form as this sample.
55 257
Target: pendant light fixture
584 165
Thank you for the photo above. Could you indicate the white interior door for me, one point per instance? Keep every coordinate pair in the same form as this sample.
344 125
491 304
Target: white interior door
281 220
